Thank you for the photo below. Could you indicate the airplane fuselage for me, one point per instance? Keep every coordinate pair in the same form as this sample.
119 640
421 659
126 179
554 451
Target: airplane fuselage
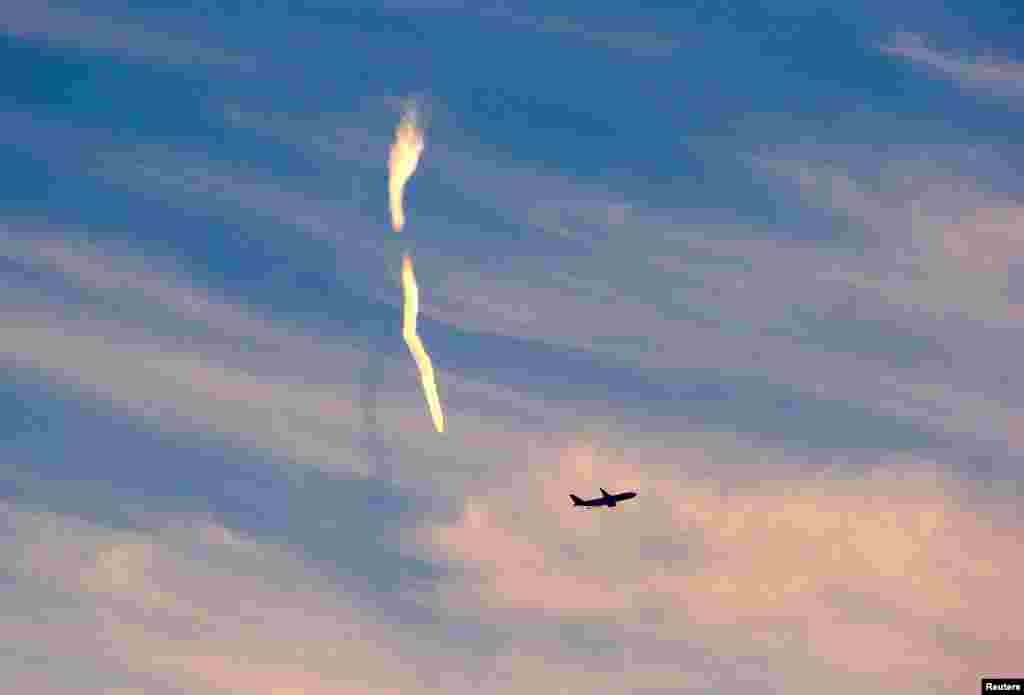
605 500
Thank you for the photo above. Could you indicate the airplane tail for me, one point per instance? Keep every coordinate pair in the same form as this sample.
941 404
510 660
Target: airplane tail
576 501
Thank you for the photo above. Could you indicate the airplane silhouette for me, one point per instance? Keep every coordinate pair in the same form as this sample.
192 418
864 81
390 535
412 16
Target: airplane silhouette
605 500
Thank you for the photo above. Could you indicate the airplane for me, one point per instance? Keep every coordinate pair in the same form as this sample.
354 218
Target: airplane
605 500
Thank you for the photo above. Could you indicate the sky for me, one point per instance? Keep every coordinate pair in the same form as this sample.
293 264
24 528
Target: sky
763 266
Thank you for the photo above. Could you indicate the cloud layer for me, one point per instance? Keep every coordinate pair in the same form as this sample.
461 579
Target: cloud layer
797 341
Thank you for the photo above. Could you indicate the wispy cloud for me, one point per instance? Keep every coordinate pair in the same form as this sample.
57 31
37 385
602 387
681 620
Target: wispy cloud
94 33
1003 77
138 285
154 345
190 389
814 426
662 270
643 44
663 266
149 343
917 217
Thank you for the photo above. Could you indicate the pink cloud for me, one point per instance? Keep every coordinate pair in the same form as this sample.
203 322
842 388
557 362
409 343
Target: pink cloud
199 608
988 240
889 576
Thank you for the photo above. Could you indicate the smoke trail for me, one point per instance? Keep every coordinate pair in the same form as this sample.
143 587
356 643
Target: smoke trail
412 339
405 155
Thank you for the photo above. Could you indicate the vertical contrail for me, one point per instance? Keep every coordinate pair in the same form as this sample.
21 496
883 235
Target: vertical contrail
405 155
412 339
402 161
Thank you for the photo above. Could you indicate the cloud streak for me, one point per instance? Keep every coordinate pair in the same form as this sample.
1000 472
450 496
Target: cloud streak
1005 78
642 44
69 27
147 342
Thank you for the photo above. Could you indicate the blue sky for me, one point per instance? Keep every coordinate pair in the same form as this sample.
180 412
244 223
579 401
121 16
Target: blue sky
762 266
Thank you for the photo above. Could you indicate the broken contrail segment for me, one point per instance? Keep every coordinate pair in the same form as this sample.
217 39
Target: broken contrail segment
412 339
405 155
